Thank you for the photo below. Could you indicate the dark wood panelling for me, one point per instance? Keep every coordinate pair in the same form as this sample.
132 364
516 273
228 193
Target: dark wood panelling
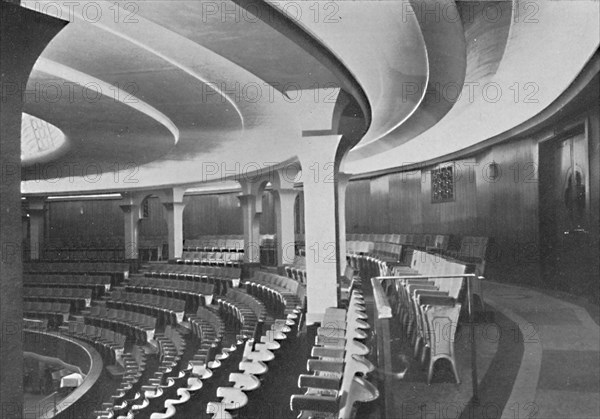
154 227
299 214
357 207
594 152
507 206
84 219
506 209
378 205
267 218
405 203
454 217
211 215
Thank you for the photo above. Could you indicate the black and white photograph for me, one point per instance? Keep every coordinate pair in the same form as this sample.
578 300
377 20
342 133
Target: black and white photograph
300 209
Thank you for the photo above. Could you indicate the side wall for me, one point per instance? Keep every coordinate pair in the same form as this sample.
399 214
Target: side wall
504 208
102 220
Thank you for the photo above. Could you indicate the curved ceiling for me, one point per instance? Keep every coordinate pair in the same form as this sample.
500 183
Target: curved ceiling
519 60
39 139
163 93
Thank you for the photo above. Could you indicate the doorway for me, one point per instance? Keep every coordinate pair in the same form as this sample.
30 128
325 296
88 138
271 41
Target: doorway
567 252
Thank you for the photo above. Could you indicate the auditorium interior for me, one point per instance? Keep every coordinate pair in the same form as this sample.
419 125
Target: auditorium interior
300 209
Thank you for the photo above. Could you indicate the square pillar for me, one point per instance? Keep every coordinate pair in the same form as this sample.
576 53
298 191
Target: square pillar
174 216
23 36
321 220
37 213
131 217
251 220
284 214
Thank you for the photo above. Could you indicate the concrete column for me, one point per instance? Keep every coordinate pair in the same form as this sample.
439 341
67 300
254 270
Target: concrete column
342 182
174 216
284 213
172 200
23 36
251 228
37 213
131 216
321 213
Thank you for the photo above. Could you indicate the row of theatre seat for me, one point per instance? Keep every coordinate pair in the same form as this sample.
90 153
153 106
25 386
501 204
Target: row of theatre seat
98 284
141 327
180 382
470 249
134 363
297 269
427 297
222 278
143 392
247 314
194 293
338 365
440 241
117 271
38 325
76 298
109 343
224 244
261 345
55 313
284 296
166 309
212 258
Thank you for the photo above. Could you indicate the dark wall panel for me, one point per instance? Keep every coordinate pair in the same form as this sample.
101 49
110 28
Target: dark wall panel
378 205
404 206
507 204
504 207
594 151
457 215
87 220
357 207
211 215
154 227
203 215
267 218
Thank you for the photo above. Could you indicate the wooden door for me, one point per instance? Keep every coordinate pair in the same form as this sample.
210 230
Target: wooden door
566 248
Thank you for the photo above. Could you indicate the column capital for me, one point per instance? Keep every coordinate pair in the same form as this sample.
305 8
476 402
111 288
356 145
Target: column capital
171 195
343 178
254 186
37 211
285 177
36 203
286 193
133 198
132 210
173 205
247 199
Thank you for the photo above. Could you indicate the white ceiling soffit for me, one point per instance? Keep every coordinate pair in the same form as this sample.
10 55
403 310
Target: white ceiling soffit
548 45
381 43
443 33
269 134
63 72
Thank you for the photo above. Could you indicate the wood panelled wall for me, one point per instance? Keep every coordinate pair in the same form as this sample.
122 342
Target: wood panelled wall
84 219
203 215
504 208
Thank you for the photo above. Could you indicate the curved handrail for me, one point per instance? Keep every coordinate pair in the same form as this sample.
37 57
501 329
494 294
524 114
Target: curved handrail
384 309
91 377
53 360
